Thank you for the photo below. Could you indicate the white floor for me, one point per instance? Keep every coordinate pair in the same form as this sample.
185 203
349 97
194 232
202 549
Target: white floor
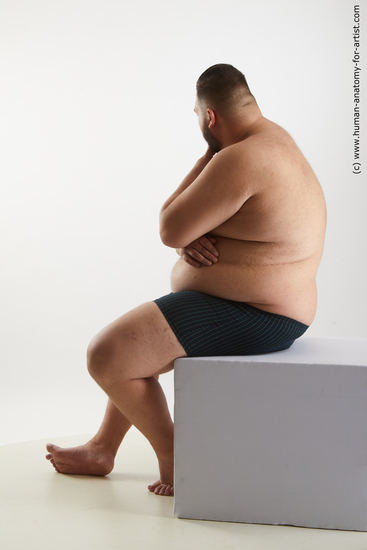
41 509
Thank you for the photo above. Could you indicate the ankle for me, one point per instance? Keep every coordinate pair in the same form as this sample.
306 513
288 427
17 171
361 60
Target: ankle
103 446
165 456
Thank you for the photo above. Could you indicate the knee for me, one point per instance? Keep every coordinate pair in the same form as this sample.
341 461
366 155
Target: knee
99 357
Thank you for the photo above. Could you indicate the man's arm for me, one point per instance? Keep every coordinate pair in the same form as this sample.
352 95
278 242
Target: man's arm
211 194
191 177
202 251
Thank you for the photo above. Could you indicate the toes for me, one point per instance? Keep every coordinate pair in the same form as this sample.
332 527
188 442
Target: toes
153 487
164 490
161 489
54 465
51 458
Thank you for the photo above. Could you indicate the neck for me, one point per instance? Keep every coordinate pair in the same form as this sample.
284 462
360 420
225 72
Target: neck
241 125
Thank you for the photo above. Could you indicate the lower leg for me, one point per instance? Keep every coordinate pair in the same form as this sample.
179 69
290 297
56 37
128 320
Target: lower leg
113 429
143 402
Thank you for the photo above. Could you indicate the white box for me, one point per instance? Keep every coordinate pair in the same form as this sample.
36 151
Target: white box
274 439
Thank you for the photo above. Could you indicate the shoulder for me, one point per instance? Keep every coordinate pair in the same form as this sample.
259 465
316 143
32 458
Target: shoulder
272 150
232 168
269 139
256 153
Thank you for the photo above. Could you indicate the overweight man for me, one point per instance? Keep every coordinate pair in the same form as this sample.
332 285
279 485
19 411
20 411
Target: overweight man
248 223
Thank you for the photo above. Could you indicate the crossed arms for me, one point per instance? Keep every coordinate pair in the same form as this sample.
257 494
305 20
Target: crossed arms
210 194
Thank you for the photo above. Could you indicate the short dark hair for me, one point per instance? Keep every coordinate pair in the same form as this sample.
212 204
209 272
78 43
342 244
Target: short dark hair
225 86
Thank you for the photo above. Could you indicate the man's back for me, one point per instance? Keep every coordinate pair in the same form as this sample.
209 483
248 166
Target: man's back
270 249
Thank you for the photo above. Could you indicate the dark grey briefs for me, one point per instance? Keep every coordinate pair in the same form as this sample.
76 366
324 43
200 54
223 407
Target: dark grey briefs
208 326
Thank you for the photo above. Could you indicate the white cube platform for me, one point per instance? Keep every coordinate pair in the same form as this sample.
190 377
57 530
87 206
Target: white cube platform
274 439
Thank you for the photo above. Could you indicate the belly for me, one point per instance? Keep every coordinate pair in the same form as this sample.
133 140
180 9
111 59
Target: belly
245 274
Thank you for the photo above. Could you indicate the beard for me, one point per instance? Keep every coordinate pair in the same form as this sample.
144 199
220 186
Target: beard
211 140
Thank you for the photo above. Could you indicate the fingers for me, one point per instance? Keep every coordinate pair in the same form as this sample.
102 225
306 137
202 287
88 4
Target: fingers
209 153
200 252
196 258
190 260
205 247
203 256
209 242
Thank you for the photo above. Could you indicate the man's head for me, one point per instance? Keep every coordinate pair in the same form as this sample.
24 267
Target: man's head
224 87
221 91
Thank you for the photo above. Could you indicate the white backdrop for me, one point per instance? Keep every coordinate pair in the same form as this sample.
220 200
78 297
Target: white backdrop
97 129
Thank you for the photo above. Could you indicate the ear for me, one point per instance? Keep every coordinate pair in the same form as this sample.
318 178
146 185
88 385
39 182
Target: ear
210 118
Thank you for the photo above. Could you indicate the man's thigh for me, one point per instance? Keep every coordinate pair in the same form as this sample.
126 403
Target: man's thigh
139 344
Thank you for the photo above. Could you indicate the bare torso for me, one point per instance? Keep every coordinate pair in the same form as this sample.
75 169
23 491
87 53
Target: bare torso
270 250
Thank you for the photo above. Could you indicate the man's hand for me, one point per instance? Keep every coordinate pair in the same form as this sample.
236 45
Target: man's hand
200 252
209 154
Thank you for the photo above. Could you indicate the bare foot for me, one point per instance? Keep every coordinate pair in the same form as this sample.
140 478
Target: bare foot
164 487
90 459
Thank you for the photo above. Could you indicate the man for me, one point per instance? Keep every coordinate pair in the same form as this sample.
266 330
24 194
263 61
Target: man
248 223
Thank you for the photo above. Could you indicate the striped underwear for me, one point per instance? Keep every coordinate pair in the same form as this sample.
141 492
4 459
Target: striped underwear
209 326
